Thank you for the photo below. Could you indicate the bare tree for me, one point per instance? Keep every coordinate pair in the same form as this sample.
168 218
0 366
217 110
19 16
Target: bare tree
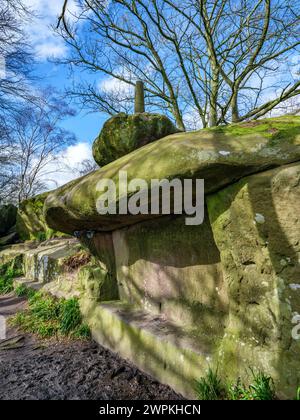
86 167
16 59
36 138
222 60
6 173
15 73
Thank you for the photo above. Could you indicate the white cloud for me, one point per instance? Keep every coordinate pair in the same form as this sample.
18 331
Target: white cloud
110 84
46 43
75 154
49 49
66 166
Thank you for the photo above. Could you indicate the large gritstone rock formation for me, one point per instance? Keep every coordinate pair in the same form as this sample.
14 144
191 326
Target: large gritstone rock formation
177 299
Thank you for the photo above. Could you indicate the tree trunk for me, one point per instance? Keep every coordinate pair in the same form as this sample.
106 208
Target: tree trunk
178 117
234 108
214 87
139 101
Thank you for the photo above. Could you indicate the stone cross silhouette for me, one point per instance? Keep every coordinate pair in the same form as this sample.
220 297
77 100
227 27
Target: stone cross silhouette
139 101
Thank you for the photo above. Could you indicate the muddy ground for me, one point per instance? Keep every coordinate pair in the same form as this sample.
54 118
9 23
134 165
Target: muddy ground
72 370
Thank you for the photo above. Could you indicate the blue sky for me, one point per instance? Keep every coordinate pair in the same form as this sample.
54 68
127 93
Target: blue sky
85 125
47 46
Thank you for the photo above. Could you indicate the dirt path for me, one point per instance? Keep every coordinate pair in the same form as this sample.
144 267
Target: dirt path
68 370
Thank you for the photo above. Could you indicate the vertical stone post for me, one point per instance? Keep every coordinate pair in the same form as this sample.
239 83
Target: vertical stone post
139 101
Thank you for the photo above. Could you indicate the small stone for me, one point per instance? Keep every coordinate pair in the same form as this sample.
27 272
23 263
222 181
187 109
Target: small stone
294 286
259 218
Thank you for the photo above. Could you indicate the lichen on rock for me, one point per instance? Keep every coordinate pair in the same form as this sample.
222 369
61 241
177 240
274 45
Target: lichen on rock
260 261
124 133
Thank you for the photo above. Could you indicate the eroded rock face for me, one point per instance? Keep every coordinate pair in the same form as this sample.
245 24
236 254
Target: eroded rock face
220 156
163 266
123 133
8 214
256 226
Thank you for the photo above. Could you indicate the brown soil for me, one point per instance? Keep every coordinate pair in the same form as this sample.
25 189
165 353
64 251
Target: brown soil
80 370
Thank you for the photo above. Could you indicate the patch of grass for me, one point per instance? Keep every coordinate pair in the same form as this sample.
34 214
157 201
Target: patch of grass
24 291
47 317
211 387
82 332
44 308
19 319
6 279
21 290
47 330
262 388
237 391
70 316
6 285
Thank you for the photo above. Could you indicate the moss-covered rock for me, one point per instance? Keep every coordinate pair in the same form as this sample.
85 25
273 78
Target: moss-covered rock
96 283
49 260
256 227
220 156
13 255
123 133
8 214
31 222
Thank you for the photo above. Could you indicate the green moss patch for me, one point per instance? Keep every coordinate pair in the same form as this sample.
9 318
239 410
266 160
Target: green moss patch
123 133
